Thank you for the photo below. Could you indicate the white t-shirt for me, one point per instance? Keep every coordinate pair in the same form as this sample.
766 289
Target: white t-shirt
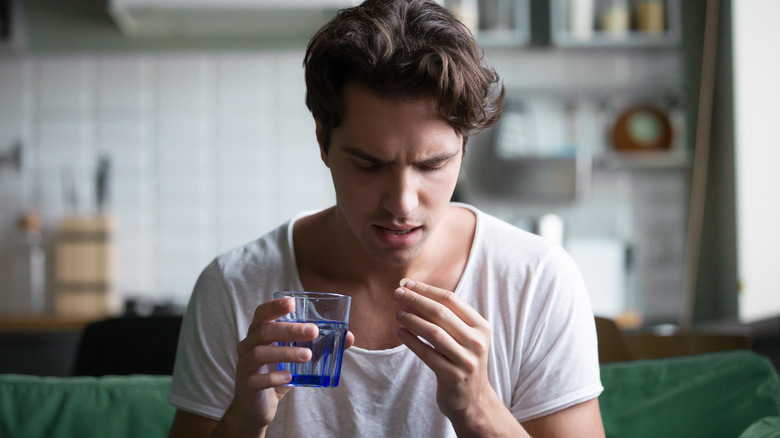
543 352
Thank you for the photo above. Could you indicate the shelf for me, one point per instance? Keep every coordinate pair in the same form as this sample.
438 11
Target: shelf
563 36
605 39
644 160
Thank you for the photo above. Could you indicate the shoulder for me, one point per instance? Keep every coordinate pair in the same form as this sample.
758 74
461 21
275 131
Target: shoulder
517 260
249 264
258 252
499 240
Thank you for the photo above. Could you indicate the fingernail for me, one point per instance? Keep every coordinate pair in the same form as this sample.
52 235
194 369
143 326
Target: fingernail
285 302
310 331
400 314
405 282
399 292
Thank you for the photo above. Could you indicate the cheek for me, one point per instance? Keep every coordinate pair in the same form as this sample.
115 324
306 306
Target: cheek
352 191
445 184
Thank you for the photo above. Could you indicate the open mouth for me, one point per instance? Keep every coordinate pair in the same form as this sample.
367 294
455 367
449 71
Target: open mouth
400 232
398 237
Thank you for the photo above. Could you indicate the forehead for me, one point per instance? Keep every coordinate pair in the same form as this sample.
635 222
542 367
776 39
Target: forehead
368 117
356 97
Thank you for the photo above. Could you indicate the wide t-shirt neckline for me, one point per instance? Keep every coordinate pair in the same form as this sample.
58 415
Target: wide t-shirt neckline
388 351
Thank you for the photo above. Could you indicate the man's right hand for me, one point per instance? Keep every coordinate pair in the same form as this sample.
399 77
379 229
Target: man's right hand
259 383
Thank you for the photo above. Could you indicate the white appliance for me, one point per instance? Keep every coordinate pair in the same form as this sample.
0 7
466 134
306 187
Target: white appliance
278 19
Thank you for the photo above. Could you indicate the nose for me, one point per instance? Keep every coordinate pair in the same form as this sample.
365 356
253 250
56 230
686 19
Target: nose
401 196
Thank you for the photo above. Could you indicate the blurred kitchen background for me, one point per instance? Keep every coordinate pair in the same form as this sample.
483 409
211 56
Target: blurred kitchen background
140 138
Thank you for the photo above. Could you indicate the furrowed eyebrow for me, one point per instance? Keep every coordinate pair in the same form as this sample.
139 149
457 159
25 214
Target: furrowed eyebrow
364 156
428 161
439 158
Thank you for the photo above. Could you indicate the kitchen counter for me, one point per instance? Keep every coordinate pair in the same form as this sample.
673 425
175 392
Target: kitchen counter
42 345
37 323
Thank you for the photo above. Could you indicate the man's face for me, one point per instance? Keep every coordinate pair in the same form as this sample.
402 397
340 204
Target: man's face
394 165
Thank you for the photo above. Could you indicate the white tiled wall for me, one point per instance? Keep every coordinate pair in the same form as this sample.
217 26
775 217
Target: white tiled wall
211 150
207 151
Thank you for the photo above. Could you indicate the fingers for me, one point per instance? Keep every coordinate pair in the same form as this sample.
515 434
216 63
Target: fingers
264 358
432 357
452 328
266 330
271 311
268 380
258 352
448 299
440 307
443 341
262 355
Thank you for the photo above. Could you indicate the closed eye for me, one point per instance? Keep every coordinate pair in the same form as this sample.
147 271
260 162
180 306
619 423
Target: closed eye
433 167
368 165
435 164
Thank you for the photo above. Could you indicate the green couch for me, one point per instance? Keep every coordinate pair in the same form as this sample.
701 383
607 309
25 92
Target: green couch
734 394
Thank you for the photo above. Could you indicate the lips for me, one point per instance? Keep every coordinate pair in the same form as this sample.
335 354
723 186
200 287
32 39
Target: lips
399 232
398 237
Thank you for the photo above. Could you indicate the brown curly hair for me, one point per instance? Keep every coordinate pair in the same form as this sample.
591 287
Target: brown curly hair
402 49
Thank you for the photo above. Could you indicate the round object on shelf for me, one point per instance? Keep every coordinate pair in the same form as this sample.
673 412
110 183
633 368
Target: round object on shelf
641 128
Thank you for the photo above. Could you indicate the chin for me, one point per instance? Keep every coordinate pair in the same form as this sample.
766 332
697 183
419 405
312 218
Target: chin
395 257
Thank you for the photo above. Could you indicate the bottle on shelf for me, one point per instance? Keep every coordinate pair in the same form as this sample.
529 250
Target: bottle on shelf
650 16
581 19
616 18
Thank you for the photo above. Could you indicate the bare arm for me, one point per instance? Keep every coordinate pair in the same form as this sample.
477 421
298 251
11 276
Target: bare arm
188 425
582 420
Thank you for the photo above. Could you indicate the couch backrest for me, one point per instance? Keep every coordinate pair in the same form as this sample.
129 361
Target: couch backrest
84 407
708 395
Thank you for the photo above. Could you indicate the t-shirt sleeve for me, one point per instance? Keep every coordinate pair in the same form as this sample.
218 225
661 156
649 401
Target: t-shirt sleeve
204 369
559 365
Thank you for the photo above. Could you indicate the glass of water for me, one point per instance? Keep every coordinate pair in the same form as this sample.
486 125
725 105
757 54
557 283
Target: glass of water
330 313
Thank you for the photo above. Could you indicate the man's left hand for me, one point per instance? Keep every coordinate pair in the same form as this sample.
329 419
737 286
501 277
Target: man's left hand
453 340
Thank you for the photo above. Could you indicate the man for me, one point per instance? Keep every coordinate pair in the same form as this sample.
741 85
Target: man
490 332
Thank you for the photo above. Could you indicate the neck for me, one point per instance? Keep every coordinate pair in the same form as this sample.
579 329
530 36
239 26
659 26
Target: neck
348 266
361 267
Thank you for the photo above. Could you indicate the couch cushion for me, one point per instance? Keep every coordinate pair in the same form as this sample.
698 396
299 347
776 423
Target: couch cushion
708 395
768 427
61 407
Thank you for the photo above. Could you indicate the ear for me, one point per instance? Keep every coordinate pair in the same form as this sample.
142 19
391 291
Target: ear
320 141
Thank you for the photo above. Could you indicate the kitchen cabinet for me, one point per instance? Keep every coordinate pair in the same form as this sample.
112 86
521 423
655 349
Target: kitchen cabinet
568 91
615 23
495 23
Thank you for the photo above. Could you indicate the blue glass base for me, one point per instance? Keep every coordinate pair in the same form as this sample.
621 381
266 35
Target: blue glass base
315 381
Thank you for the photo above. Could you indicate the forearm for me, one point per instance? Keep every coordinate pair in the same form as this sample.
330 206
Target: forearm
226 431
231 426
489 419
